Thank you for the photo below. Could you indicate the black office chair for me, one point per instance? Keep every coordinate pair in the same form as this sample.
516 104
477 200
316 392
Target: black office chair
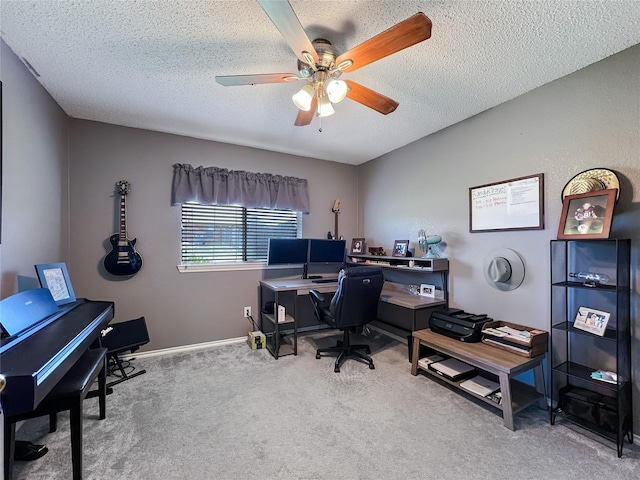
354 305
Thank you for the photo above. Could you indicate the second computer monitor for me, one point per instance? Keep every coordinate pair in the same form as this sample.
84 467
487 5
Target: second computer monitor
322 250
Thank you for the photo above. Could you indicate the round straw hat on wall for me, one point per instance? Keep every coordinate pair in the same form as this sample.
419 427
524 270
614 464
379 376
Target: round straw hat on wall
504 269
592 181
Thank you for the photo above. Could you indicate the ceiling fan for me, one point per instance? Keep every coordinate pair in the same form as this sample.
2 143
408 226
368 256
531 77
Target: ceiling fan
321 65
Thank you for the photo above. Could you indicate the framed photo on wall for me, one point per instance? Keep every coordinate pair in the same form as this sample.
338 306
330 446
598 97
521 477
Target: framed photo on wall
400 248
587 215
357 246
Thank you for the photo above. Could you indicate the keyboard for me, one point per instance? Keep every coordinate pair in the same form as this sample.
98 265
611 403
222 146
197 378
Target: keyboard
325 280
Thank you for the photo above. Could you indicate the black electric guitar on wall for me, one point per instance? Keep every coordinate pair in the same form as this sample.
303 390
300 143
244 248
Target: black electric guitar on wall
123 260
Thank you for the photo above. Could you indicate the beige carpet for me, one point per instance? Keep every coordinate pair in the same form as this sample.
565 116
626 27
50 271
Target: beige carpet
232 413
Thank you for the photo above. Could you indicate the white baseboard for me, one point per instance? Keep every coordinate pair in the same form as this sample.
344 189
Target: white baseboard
185 348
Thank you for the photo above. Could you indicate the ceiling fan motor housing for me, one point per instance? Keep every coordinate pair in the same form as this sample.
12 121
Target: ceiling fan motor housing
327 55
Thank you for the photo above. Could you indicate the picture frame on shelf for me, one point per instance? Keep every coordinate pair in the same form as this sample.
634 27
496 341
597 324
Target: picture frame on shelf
587 215
591 320
357 246
427 290
400 248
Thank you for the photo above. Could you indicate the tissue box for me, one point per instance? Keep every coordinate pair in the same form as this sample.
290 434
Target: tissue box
256 340
282 317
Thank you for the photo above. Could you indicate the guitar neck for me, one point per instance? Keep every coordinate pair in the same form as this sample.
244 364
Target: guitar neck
123 219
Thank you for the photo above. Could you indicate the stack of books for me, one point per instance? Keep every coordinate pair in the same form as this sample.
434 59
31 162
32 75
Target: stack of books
524 341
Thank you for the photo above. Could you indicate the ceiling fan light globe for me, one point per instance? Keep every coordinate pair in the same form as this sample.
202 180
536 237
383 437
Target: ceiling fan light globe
325 108
336 90
303 98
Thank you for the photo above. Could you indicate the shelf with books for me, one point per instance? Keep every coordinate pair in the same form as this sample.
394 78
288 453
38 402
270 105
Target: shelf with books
590 333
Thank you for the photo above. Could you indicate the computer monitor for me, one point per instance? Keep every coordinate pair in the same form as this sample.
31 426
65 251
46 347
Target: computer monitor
283 251
322 250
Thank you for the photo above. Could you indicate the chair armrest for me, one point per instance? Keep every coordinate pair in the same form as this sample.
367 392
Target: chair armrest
317 296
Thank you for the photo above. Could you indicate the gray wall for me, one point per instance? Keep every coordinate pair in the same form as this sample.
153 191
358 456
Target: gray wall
34 177
180 308
589 119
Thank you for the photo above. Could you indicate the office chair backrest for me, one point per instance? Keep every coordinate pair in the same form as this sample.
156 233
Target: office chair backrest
356 301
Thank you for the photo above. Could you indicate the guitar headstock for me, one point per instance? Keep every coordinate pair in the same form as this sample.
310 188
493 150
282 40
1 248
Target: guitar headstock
123 187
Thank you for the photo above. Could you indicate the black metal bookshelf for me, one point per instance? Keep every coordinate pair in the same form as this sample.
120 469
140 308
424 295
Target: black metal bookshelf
597 406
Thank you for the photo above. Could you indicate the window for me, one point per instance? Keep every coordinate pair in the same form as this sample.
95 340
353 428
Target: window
213 234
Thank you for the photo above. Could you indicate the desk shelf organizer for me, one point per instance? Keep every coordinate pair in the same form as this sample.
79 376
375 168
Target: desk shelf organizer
535 345
594 405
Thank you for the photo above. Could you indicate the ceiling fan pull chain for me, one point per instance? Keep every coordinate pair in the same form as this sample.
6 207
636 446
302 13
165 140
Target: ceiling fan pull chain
318 108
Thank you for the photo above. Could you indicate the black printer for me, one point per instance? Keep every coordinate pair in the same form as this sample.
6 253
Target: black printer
458 324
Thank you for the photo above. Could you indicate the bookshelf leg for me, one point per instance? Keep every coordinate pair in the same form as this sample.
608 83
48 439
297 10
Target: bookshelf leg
507 406
415 355
538 378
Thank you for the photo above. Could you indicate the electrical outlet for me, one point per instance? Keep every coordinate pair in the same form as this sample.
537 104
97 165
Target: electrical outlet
247 312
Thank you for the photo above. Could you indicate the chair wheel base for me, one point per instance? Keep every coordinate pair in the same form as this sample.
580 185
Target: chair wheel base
344 350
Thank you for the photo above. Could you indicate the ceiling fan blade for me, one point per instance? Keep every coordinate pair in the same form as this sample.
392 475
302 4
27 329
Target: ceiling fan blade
284 18
304 118
371 99
232 80
413 30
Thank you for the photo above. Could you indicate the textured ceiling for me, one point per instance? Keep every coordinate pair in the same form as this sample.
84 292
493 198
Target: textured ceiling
152 65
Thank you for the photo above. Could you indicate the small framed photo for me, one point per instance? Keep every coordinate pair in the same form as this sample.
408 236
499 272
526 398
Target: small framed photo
400 248
427 290
587 215
357 246
55 277
592 321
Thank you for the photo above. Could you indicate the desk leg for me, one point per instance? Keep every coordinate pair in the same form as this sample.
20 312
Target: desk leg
538 378
415 355
276 328
507 405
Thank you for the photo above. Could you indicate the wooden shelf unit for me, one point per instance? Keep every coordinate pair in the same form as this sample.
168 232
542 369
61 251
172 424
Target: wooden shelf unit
516 395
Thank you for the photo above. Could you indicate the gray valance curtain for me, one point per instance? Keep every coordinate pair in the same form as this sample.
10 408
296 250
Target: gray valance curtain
219 186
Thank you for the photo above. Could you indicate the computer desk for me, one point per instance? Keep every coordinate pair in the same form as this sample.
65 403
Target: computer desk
399 312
